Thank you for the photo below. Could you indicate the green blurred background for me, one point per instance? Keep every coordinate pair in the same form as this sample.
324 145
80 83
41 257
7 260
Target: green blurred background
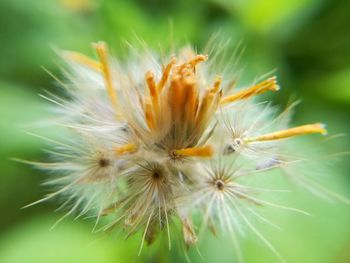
307 41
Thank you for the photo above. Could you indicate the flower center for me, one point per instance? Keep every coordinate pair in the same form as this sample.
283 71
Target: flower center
103 162
220 184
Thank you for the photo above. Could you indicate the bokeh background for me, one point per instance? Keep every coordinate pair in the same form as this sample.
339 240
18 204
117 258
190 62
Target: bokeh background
307 41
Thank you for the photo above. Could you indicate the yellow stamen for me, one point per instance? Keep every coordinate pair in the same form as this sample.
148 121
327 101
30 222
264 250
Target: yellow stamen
101 49
192 103
149 114
177 98
209 102
165 75
300 130
125 149
204 108
198 59
269 84
188 68
217 84
153 92
204 151
82 59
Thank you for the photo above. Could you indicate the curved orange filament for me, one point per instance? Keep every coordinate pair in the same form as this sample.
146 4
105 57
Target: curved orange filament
165 75
101 50
300 130
82 59
126 149
204 151
269 84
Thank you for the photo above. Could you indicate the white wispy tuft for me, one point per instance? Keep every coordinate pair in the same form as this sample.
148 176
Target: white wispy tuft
151 140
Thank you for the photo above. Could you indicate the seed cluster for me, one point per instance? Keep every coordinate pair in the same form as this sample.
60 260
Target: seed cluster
153 143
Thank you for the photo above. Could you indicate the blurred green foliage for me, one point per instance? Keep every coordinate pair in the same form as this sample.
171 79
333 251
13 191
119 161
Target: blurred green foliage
307 41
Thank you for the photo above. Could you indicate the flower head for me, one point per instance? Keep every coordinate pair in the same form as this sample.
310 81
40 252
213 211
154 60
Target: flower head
152 142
